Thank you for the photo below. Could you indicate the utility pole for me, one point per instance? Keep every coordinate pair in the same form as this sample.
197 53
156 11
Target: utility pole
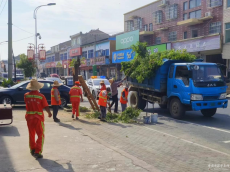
10 39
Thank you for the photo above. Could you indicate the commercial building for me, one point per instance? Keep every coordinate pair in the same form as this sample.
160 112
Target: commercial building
194 25
226 33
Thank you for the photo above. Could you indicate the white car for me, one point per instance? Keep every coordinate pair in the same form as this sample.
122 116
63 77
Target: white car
94 86
53 79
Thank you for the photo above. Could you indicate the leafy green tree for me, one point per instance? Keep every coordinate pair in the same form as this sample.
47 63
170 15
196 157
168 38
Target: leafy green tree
29 67
76 64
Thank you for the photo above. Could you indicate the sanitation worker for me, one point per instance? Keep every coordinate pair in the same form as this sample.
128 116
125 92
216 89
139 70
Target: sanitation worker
124 98
35 103
55 100
75 94
102 102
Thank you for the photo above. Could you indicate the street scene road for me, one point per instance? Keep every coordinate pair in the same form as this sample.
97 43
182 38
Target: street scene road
195 143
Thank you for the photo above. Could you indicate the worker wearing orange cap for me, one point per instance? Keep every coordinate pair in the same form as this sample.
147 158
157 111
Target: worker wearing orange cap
75 94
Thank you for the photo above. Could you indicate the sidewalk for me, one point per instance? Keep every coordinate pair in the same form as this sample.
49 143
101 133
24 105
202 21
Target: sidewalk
67 148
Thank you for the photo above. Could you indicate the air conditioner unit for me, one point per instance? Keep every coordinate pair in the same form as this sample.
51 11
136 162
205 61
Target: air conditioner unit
208 14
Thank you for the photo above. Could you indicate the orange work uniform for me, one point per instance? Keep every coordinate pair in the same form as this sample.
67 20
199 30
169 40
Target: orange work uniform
124 99
75 93
35 103
103 98
103 87
53 100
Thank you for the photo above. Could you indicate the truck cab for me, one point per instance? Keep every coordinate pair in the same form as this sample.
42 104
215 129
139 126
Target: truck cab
195 86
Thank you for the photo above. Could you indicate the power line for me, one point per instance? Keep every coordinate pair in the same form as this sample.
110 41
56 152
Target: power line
3 7
21 29
23 39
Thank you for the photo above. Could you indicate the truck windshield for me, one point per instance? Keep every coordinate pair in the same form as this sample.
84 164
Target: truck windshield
206 73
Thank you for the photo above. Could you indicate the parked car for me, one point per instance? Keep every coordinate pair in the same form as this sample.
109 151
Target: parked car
54 75
15 94
53 79
94 85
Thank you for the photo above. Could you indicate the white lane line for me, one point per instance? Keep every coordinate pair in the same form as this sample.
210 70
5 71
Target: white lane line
227 141
213 128
188 141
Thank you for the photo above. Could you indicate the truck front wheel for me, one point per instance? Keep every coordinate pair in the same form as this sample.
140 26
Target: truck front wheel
209 112
177 109
136 101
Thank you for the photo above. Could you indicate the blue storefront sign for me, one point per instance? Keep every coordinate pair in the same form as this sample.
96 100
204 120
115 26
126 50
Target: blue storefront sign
123 56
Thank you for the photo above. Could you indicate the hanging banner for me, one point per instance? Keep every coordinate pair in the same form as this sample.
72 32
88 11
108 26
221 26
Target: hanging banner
30 54
42 55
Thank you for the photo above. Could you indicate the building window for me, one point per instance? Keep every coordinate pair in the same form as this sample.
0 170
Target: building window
228 3
227 32
195 14
79 41
74 42
90 54
194 33
194 3
172 36
61 57
150 27
171 12
185 6
158 17
146 27
53 59
139 23
215 28
112 72
130 25
185 17
65 56
215 3
158 40
185 35
84 54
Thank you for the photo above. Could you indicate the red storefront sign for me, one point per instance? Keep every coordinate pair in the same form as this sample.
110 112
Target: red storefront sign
75 52
83 63
66 63
47 65
52 65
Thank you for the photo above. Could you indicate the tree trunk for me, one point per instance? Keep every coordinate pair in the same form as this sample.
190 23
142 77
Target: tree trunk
76 69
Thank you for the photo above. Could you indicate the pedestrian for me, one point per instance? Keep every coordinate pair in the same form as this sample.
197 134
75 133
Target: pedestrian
75 94
35 103
124 98
102 102
103 87
55 100
114 86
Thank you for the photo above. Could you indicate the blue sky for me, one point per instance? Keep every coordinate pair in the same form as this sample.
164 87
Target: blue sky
57 23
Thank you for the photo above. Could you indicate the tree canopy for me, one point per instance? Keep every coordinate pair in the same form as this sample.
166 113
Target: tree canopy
26 65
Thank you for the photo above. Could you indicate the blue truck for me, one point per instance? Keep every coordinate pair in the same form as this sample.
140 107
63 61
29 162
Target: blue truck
181 87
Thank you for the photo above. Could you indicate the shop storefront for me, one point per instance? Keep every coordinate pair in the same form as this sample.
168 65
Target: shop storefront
66 67
208 48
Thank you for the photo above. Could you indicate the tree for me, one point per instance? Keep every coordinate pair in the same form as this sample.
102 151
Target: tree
76 64
29 67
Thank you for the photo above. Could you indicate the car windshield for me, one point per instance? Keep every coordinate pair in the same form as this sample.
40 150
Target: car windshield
206 73
19 85
97 82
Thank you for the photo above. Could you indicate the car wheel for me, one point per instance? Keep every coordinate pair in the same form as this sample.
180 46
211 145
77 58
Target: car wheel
208 112
63 102
94 94
7 99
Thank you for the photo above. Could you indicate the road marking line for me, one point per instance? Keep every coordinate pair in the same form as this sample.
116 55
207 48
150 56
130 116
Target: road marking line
213 128
227 141
188 141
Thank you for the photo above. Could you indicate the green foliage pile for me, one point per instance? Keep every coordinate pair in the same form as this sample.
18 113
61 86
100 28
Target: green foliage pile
5 83
127 116
144 65
26 65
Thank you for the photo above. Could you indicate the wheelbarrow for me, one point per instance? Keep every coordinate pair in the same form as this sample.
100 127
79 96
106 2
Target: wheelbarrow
6 113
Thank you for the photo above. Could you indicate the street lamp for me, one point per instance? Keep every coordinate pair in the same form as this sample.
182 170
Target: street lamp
35 17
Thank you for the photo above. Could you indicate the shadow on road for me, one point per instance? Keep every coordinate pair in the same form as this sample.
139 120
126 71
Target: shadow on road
120 125
51 165
68 126
219 120
87 122
9 131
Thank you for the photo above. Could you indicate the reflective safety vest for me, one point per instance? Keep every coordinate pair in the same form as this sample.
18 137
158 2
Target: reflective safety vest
124 100
102 98
75 93
35 102
53 100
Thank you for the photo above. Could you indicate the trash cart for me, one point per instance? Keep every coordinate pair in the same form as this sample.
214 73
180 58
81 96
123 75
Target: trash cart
6 114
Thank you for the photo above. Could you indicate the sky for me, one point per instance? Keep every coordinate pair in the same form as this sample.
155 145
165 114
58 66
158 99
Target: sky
57 23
